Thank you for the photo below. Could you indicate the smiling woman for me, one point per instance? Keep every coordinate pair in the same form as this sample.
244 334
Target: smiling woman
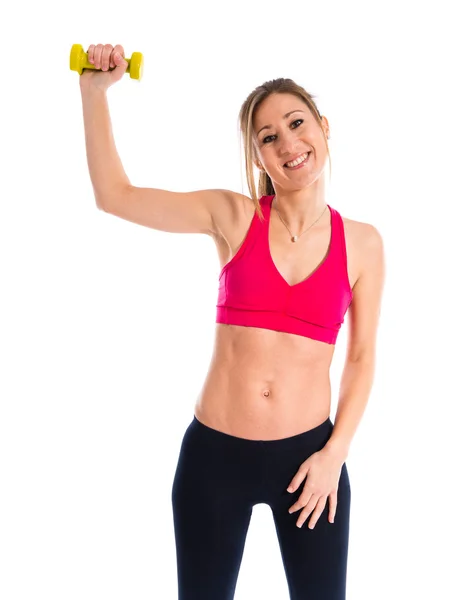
280 308
291 268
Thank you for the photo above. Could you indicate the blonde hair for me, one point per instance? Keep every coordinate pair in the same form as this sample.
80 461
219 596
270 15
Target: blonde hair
246 116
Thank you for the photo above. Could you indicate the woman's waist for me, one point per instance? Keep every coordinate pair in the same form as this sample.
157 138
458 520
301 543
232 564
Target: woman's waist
279 405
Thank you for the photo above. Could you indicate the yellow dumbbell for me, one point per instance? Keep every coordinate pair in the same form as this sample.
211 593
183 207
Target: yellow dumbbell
79 62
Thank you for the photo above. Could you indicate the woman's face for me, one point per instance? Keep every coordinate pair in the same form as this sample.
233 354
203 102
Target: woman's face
286 138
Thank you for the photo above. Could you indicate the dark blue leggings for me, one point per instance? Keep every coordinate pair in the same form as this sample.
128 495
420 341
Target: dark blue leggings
218 480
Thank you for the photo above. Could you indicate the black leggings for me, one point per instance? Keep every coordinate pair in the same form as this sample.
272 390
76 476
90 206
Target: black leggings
218 480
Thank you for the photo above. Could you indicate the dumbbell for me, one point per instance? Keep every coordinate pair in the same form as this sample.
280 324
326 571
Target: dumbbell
79 62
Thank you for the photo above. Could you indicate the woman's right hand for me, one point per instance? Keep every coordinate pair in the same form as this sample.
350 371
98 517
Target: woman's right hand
110 64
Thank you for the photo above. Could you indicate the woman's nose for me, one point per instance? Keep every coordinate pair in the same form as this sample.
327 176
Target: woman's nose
289 144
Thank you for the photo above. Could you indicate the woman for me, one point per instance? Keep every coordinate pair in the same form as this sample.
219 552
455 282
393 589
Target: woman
291 267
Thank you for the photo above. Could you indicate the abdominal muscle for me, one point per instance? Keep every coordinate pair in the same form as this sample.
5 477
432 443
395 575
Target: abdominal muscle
264 384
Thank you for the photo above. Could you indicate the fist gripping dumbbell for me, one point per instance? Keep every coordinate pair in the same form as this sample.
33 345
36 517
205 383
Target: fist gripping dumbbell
79 62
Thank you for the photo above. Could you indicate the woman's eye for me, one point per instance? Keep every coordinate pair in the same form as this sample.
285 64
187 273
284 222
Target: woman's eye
270 136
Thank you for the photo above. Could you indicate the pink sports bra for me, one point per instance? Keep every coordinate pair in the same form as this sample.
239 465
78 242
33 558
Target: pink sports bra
253 293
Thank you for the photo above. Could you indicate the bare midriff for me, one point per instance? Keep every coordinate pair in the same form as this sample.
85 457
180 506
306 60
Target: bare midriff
264 384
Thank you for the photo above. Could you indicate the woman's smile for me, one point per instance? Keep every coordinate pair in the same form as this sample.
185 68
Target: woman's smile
300 165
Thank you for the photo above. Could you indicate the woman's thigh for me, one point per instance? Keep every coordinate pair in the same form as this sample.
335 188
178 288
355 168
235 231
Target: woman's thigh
212 498
315 560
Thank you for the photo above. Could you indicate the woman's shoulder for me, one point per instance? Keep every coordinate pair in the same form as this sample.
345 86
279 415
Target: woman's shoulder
358 230
233 212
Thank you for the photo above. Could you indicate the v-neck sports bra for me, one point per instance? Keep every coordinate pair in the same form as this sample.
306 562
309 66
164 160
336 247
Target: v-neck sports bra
253 293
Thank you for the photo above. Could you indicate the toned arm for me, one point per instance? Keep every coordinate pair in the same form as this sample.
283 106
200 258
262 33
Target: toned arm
173 212
203 211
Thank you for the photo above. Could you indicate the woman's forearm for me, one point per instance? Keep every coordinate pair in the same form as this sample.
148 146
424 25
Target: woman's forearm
105 167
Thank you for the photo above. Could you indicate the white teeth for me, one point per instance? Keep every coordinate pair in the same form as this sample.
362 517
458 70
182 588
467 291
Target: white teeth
299 160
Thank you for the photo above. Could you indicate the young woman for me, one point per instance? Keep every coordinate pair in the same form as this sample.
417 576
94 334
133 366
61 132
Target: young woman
291 268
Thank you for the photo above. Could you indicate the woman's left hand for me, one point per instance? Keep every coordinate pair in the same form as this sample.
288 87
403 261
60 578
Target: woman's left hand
322 470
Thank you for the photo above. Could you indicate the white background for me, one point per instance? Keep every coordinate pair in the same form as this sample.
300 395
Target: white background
107 327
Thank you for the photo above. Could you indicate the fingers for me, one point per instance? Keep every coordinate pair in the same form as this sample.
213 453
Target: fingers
95 55
118 49
303 499
103 56
103 60
318 503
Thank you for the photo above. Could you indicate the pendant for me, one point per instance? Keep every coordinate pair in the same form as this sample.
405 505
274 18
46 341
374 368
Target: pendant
295 238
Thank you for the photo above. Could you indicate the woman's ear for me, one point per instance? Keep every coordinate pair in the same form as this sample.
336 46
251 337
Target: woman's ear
325 123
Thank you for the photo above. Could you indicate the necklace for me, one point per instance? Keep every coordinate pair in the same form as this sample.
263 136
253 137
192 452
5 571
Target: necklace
295 237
